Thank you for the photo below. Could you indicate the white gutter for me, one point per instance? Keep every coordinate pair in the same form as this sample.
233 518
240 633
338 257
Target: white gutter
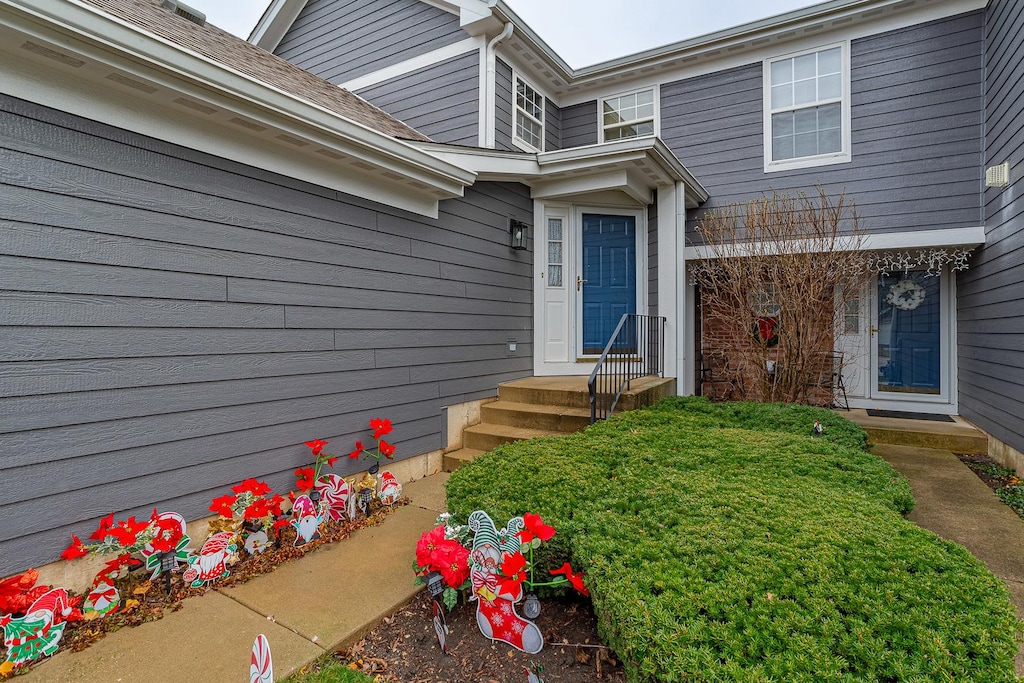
490 87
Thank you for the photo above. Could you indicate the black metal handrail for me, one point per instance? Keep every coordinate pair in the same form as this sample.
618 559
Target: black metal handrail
635 350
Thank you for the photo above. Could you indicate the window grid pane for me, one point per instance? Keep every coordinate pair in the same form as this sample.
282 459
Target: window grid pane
628 116
529 123
806 120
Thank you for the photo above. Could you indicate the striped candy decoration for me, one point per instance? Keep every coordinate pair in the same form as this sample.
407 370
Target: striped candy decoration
261 667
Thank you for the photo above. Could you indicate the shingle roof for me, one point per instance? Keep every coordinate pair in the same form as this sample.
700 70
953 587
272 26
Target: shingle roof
235 53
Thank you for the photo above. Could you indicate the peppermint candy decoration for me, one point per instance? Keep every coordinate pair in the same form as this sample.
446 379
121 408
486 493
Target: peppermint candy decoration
334 492
261 667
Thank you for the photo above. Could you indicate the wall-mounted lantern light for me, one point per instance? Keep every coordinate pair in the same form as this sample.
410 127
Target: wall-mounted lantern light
518 231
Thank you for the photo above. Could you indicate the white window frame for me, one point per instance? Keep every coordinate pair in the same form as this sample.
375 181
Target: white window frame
518 111
656 118
844 154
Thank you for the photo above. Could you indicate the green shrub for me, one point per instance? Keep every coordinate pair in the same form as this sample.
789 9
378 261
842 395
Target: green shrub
723 543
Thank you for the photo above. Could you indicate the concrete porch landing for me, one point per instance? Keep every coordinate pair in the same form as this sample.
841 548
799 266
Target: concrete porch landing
959 436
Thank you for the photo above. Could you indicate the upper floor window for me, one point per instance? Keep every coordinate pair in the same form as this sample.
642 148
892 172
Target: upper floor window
529 115
807 109
628 116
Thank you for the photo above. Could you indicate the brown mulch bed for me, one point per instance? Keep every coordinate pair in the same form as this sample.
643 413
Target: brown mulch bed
1002 480
153 601
404 649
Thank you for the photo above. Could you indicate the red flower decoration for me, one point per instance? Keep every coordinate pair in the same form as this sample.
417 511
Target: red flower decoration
256 488
535 528
222 506
19 592
331 461
281 523
575 579
101 530
75 550
380 427
317 445
453 563
427 546
386 449
304 481
514 573
357 452
127 532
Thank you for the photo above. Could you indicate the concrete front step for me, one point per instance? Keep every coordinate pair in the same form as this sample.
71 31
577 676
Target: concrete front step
456 459
959 436
572 392
487 437
533 416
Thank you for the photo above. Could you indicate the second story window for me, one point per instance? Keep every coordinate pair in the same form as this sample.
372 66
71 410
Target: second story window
627 116
529 115
807 107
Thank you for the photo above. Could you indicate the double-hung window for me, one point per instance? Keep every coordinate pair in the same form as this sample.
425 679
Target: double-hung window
807 109
528 127
628 116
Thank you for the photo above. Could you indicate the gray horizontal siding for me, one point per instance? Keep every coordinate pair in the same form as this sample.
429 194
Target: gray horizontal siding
171 323
503 106
441 101
343 39
552 126
579 125
990 295
916 113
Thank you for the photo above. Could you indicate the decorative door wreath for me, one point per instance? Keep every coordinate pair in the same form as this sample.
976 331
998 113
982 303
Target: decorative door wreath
905 295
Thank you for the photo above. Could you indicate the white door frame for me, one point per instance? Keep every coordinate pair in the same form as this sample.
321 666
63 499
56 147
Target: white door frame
944 402
551 355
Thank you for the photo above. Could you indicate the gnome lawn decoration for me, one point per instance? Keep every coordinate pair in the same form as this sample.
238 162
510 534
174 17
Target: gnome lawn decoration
306 518
211 563
38 633
496 572
390 488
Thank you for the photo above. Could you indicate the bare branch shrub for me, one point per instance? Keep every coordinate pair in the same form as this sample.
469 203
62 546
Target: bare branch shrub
775 279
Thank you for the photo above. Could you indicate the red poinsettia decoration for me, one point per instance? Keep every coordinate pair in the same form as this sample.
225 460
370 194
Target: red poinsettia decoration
576 580
19 592
256 488
535 528
380 426
126 533
317 445
166 533
453 562
75 550
427 545
305 476
101 530
513 570
224 505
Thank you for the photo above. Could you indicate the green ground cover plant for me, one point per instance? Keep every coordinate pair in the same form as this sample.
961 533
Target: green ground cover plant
722 542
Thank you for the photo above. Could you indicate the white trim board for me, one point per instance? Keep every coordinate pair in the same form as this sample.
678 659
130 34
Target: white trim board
913 239
441 54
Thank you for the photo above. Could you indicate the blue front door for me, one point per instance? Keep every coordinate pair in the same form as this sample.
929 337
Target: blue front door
609 276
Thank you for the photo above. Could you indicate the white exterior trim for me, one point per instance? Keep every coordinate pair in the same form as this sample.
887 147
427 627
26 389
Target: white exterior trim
914 239
845 153
441 54
275 22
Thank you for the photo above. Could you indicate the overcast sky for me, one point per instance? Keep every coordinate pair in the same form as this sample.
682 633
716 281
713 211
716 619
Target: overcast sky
582 32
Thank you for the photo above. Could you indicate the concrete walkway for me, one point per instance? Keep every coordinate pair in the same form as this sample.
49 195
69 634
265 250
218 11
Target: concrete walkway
954 503
321 603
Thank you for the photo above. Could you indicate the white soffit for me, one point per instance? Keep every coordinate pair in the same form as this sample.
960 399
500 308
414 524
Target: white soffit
77 59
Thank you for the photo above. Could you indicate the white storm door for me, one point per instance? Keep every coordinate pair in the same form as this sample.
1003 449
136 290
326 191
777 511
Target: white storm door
853 341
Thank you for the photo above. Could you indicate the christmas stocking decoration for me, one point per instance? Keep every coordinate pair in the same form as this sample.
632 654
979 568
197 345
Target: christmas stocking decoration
495 610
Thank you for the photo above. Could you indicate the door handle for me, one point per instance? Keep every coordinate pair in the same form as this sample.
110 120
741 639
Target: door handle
874 331
579 283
